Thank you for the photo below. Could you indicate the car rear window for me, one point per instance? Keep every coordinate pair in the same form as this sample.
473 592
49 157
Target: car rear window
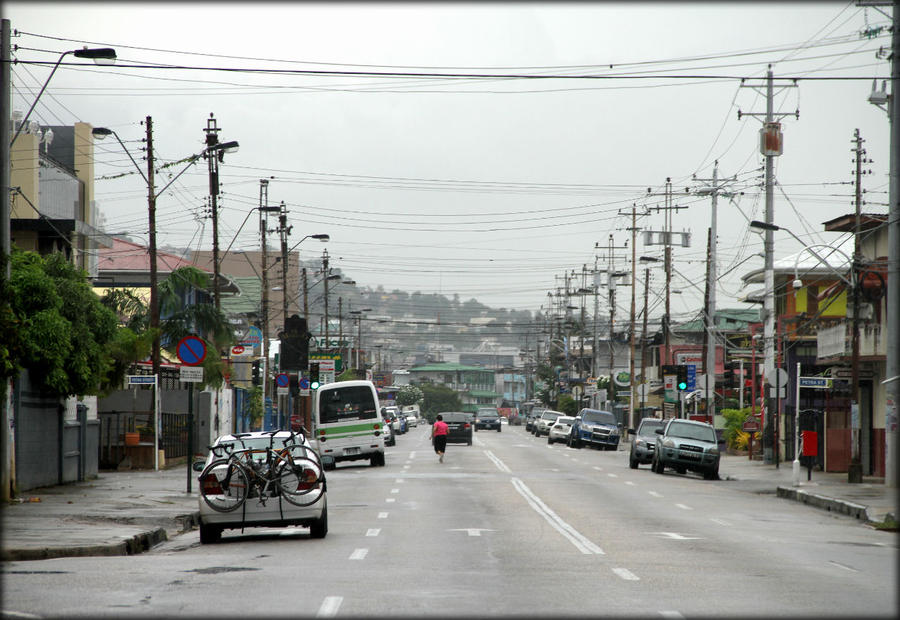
550 415
455 417
488 414
344 404
599 417
691 431
648 427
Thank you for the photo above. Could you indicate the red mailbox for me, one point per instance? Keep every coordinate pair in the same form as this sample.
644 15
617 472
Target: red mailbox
810 443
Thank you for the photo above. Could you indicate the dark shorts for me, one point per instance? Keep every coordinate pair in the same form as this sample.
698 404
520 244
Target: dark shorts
440 443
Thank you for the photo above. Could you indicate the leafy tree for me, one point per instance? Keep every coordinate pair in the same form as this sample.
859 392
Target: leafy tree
438 398
409 395
567 405
61 332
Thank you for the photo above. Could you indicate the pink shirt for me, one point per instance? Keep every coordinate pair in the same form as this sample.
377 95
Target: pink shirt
439 428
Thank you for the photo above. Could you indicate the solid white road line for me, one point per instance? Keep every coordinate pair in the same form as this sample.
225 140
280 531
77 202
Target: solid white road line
720 522
576 538
844 566
625 574
359 554
500 464
330 607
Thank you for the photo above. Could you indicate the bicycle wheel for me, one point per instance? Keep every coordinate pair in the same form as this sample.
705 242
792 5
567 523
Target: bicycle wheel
300 481
224 485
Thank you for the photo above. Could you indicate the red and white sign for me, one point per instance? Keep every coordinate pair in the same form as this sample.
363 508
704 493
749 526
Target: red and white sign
239 349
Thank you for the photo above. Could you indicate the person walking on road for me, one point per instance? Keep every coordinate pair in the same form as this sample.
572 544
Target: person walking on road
439 432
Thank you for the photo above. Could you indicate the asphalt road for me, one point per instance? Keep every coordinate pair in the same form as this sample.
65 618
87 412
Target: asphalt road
508 526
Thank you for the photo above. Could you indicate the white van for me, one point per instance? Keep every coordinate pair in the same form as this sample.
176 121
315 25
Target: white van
347 424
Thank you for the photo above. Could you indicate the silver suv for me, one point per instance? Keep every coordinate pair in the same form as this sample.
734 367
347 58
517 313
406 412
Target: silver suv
542 424
685 444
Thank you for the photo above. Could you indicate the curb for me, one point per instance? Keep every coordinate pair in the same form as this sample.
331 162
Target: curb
830 504
132 546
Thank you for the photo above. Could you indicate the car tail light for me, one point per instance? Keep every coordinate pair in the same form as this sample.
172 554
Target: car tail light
466 425
211 485
308 479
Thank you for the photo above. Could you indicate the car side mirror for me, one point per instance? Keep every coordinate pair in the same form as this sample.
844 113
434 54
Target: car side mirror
197 466
659 431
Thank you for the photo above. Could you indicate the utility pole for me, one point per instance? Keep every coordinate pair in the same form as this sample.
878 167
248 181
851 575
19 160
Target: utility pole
325 283
855 469
770 145
284 230
151 208
305 298
6 435
631 379
644 385
212 138
666 236
263 225
340 322
713 191
611 288
892 380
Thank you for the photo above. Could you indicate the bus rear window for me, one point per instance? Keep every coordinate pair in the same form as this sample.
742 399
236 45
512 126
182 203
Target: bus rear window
344 404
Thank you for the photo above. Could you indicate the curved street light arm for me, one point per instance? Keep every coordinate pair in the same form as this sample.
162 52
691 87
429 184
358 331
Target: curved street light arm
823 261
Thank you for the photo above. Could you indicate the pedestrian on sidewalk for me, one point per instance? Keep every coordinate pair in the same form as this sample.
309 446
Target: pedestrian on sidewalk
439 432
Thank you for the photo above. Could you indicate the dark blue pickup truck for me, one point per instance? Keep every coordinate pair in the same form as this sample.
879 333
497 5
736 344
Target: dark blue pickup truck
594 427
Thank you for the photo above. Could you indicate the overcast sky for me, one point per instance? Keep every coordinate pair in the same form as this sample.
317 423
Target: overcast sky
490 187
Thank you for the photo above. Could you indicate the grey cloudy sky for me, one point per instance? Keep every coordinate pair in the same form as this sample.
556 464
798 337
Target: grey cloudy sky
489 187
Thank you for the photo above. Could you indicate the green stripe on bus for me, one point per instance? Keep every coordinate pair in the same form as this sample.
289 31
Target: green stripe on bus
351 428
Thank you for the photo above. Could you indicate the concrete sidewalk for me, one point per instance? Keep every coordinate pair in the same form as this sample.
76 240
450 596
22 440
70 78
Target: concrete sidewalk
122 513
118 513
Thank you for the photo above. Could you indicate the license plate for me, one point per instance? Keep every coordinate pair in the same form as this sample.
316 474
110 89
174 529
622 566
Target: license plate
349 451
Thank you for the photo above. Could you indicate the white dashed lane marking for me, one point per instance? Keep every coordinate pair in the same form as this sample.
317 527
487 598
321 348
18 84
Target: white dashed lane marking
625 574
382 515
373 532
683 507
330 606
359 554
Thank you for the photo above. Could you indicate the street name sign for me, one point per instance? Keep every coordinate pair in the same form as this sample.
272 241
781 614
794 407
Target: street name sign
822 383
141 379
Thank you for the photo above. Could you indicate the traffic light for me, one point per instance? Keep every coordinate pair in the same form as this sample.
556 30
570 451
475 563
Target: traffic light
255 377
681 381
294 345
313 375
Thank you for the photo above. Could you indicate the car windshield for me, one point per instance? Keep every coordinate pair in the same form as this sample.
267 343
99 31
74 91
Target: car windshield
692 431
648 427
550 415
343 404
599 417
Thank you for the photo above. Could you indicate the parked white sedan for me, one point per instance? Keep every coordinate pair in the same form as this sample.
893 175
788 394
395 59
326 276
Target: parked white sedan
560 429
411 420
261 479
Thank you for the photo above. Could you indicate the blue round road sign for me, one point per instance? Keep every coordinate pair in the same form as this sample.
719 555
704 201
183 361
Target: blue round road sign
191 351
304 383
282 380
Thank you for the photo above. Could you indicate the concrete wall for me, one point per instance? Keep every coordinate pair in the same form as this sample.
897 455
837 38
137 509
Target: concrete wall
50 449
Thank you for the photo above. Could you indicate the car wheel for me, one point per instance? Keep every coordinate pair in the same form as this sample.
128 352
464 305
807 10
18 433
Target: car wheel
320 528
210 534
549 439
657 466
712 473
576 442
681 470
498 429
632 462
469 443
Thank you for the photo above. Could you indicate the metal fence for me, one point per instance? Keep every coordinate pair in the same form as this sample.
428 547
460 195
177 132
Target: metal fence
173 438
